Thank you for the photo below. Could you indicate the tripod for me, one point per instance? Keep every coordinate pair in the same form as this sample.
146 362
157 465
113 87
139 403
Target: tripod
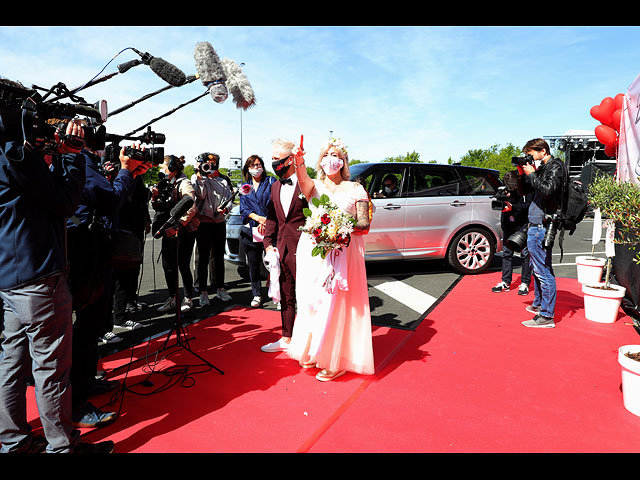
182 340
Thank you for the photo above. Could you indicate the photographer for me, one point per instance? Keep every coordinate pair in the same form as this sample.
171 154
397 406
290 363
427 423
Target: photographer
546 181
90 277
514 218
37 195
211 189
178 239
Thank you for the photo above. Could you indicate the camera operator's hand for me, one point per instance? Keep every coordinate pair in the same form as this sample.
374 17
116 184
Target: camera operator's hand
171 231
528 168
73 141
136 167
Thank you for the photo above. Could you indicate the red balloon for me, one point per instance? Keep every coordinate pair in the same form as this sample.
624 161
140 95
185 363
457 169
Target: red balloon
610 150
603 112
606 135
617 101
615 120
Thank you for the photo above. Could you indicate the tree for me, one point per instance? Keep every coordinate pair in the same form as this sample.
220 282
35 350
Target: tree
413 157
494 157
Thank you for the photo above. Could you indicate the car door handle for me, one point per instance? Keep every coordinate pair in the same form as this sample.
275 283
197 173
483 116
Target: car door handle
391 206
458 203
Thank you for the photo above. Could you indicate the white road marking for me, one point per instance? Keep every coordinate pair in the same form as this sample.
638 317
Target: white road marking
407 295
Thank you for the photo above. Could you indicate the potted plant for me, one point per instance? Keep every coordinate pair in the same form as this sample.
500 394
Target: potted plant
619 204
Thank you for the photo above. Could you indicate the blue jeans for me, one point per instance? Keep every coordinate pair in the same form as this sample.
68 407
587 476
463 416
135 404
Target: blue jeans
544 279
37 341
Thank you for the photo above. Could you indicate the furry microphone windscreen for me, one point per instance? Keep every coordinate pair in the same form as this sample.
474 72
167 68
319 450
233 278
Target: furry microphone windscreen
210 71
238 85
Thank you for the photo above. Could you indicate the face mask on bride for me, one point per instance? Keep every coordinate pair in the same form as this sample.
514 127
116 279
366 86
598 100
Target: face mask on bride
331 165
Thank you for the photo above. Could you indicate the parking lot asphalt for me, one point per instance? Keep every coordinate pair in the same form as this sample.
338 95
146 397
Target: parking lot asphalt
401 293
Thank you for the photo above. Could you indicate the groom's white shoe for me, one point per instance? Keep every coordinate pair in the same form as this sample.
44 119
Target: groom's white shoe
278 346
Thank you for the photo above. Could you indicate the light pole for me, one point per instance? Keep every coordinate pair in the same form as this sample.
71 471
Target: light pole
241 155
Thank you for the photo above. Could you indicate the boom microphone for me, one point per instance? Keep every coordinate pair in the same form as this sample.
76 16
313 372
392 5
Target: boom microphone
210 71
238 85
176 212
166 71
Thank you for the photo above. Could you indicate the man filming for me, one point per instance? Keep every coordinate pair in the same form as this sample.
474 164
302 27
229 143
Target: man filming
37 310
546 181
90 276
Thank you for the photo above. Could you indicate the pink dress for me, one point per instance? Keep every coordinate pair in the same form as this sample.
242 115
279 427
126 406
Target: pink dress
333 329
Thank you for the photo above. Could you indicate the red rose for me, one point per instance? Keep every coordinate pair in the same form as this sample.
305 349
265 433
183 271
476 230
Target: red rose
317 232
325 219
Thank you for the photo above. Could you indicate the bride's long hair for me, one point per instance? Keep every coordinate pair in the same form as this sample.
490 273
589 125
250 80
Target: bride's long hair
342 153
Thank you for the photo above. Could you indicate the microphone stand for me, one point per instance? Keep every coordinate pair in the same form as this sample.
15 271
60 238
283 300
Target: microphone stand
182 340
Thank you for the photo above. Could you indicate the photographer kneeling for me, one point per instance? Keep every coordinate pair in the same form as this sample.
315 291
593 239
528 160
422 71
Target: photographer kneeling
90 277
546 181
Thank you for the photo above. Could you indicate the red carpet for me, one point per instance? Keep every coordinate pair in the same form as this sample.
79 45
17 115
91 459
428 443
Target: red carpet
470 378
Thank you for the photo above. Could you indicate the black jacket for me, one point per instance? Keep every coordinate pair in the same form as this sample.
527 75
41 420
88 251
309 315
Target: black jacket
546 183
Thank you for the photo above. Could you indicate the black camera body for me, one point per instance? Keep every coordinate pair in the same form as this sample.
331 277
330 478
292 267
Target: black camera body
521 161
163 202
500 199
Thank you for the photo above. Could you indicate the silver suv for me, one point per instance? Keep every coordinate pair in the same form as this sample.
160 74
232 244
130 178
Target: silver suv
427 210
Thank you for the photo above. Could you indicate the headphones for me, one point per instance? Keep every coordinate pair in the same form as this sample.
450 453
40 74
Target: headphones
175 165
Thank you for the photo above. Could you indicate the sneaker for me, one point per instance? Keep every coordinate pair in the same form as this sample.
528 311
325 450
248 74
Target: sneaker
539 321
278 306
134 307
501 287
204 299
532 309
224 296
91 416
523 290
277 346
170 304
186 305
111 337
100 447
130 325
256 302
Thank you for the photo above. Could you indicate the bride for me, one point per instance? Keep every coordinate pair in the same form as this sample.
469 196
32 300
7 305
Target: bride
332 331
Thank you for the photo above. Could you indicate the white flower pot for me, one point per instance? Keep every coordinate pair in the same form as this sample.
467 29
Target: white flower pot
630 378
602 305
590 269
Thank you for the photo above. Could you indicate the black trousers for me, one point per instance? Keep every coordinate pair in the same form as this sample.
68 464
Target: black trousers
253 251
210 242
176 256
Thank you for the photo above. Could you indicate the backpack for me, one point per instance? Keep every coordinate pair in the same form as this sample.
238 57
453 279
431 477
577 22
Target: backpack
573 206
574 203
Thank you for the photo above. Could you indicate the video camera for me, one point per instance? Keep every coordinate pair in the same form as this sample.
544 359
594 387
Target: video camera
153 155
26 117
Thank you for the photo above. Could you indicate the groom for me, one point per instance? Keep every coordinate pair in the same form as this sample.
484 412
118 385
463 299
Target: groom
284 216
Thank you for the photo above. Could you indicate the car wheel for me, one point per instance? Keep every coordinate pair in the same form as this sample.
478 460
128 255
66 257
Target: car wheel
471 251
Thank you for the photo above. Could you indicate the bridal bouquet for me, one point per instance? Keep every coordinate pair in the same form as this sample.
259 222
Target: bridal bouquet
329 226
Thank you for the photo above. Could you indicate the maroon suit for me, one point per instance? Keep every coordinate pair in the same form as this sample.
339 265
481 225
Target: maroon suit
281 231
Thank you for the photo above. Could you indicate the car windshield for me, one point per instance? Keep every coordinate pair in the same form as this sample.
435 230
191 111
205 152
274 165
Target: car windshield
357 169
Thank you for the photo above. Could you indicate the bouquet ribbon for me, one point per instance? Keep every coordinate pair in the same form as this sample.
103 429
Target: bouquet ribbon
333 271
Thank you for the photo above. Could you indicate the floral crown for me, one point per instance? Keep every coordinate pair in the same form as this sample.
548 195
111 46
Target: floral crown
336 142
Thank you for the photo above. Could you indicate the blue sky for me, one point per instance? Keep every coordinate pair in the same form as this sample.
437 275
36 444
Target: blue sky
385 91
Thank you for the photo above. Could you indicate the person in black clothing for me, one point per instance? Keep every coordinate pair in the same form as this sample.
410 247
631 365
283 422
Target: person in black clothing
90 277
514 218
546 181
133 217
